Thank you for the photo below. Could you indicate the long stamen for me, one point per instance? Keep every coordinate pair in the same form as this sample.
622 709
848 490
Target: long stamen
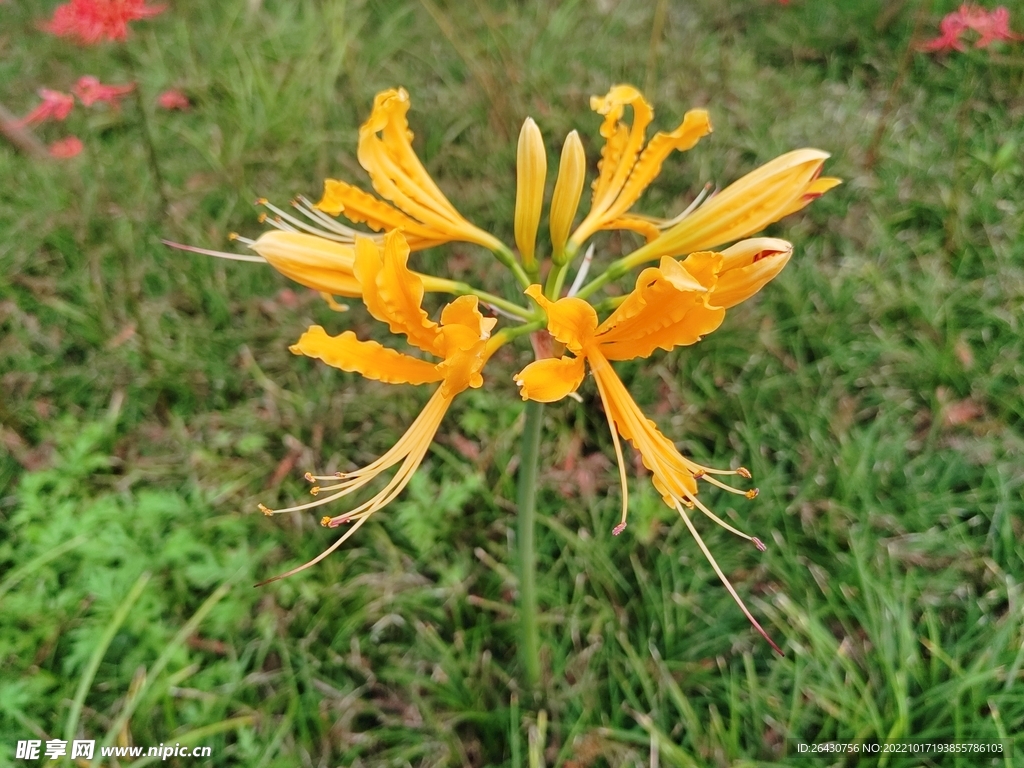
695 502
725 581
307 209
277 222
386 495
689 209
218 254
699 470
316 559
299 224
750 493
309 505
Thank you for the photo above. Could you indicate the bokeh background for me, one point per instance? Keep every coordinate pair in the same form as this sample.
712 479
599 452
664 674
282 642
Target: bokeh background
148 401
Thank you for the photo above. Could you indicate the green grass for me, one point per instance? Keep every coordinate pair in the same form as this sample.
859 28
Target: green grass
874 389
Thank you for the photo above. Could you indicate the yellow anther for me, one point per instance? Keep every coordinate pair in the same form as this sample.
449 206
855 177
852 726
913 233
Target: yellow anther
262 218
316 489
325 521
752 493
699 474
744 473
232 236
261 201
266 510
309 477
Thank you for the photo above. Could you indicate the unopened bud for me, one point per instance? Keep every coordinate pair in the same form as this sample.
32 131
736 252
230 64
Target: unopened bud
531 171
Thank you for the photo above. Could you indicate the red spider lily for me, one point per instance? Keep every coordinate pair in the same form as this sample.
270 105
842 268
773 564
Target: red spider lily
90 90
94 21
995 27
173 99
989 26
55 106
66 148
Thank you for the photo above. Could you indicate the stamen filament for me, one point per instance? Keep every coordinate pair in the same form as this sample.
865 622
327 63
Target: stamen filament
689 209
299 223
303 205
725 581
218 254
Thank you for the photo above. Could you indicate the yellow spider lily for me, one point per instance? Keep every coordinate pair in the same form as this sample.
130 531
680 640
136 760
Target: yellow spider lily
418 207
462 340
676 303
776 189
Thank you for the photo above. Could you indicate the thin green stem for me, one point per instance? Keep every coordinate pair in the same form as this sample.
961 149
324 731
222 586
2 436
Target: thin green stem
556 279
506 257
615 270
458 288
529 644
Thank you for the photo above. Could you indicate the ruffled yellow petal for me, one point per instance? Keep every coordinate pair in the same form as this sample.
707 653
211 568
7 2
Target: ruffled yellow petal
550 379
465 311
641 226
749 266
315 262
612 105
696 124
360 207
367 358
531 171
392 292
385 152
622 147
668 308
743 208
571 321
572 170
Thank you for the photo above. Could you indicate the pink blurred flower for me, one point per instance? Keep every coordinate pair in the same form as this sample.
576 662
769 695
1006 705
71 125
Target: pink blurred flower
66 148
995 27
55 106
90 90
989 26
94 21
173 99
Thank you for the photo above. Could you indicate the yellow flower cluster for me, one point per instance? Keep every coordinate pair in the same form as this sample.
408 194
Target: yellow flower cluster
675 303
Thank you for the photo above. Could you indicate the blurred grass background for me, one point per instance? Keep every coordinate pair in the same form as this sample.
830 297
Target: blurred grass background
875 390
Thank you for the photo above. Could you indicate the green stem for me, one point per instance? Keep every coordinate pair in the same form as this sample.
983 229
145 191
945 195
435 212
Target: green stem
615 270
556 279
529 644
506 257
465 289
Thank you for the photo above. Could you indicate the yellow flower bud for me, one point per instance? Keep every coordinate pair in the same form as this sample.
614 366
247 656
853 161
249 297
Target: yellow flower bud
531 170
572 169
